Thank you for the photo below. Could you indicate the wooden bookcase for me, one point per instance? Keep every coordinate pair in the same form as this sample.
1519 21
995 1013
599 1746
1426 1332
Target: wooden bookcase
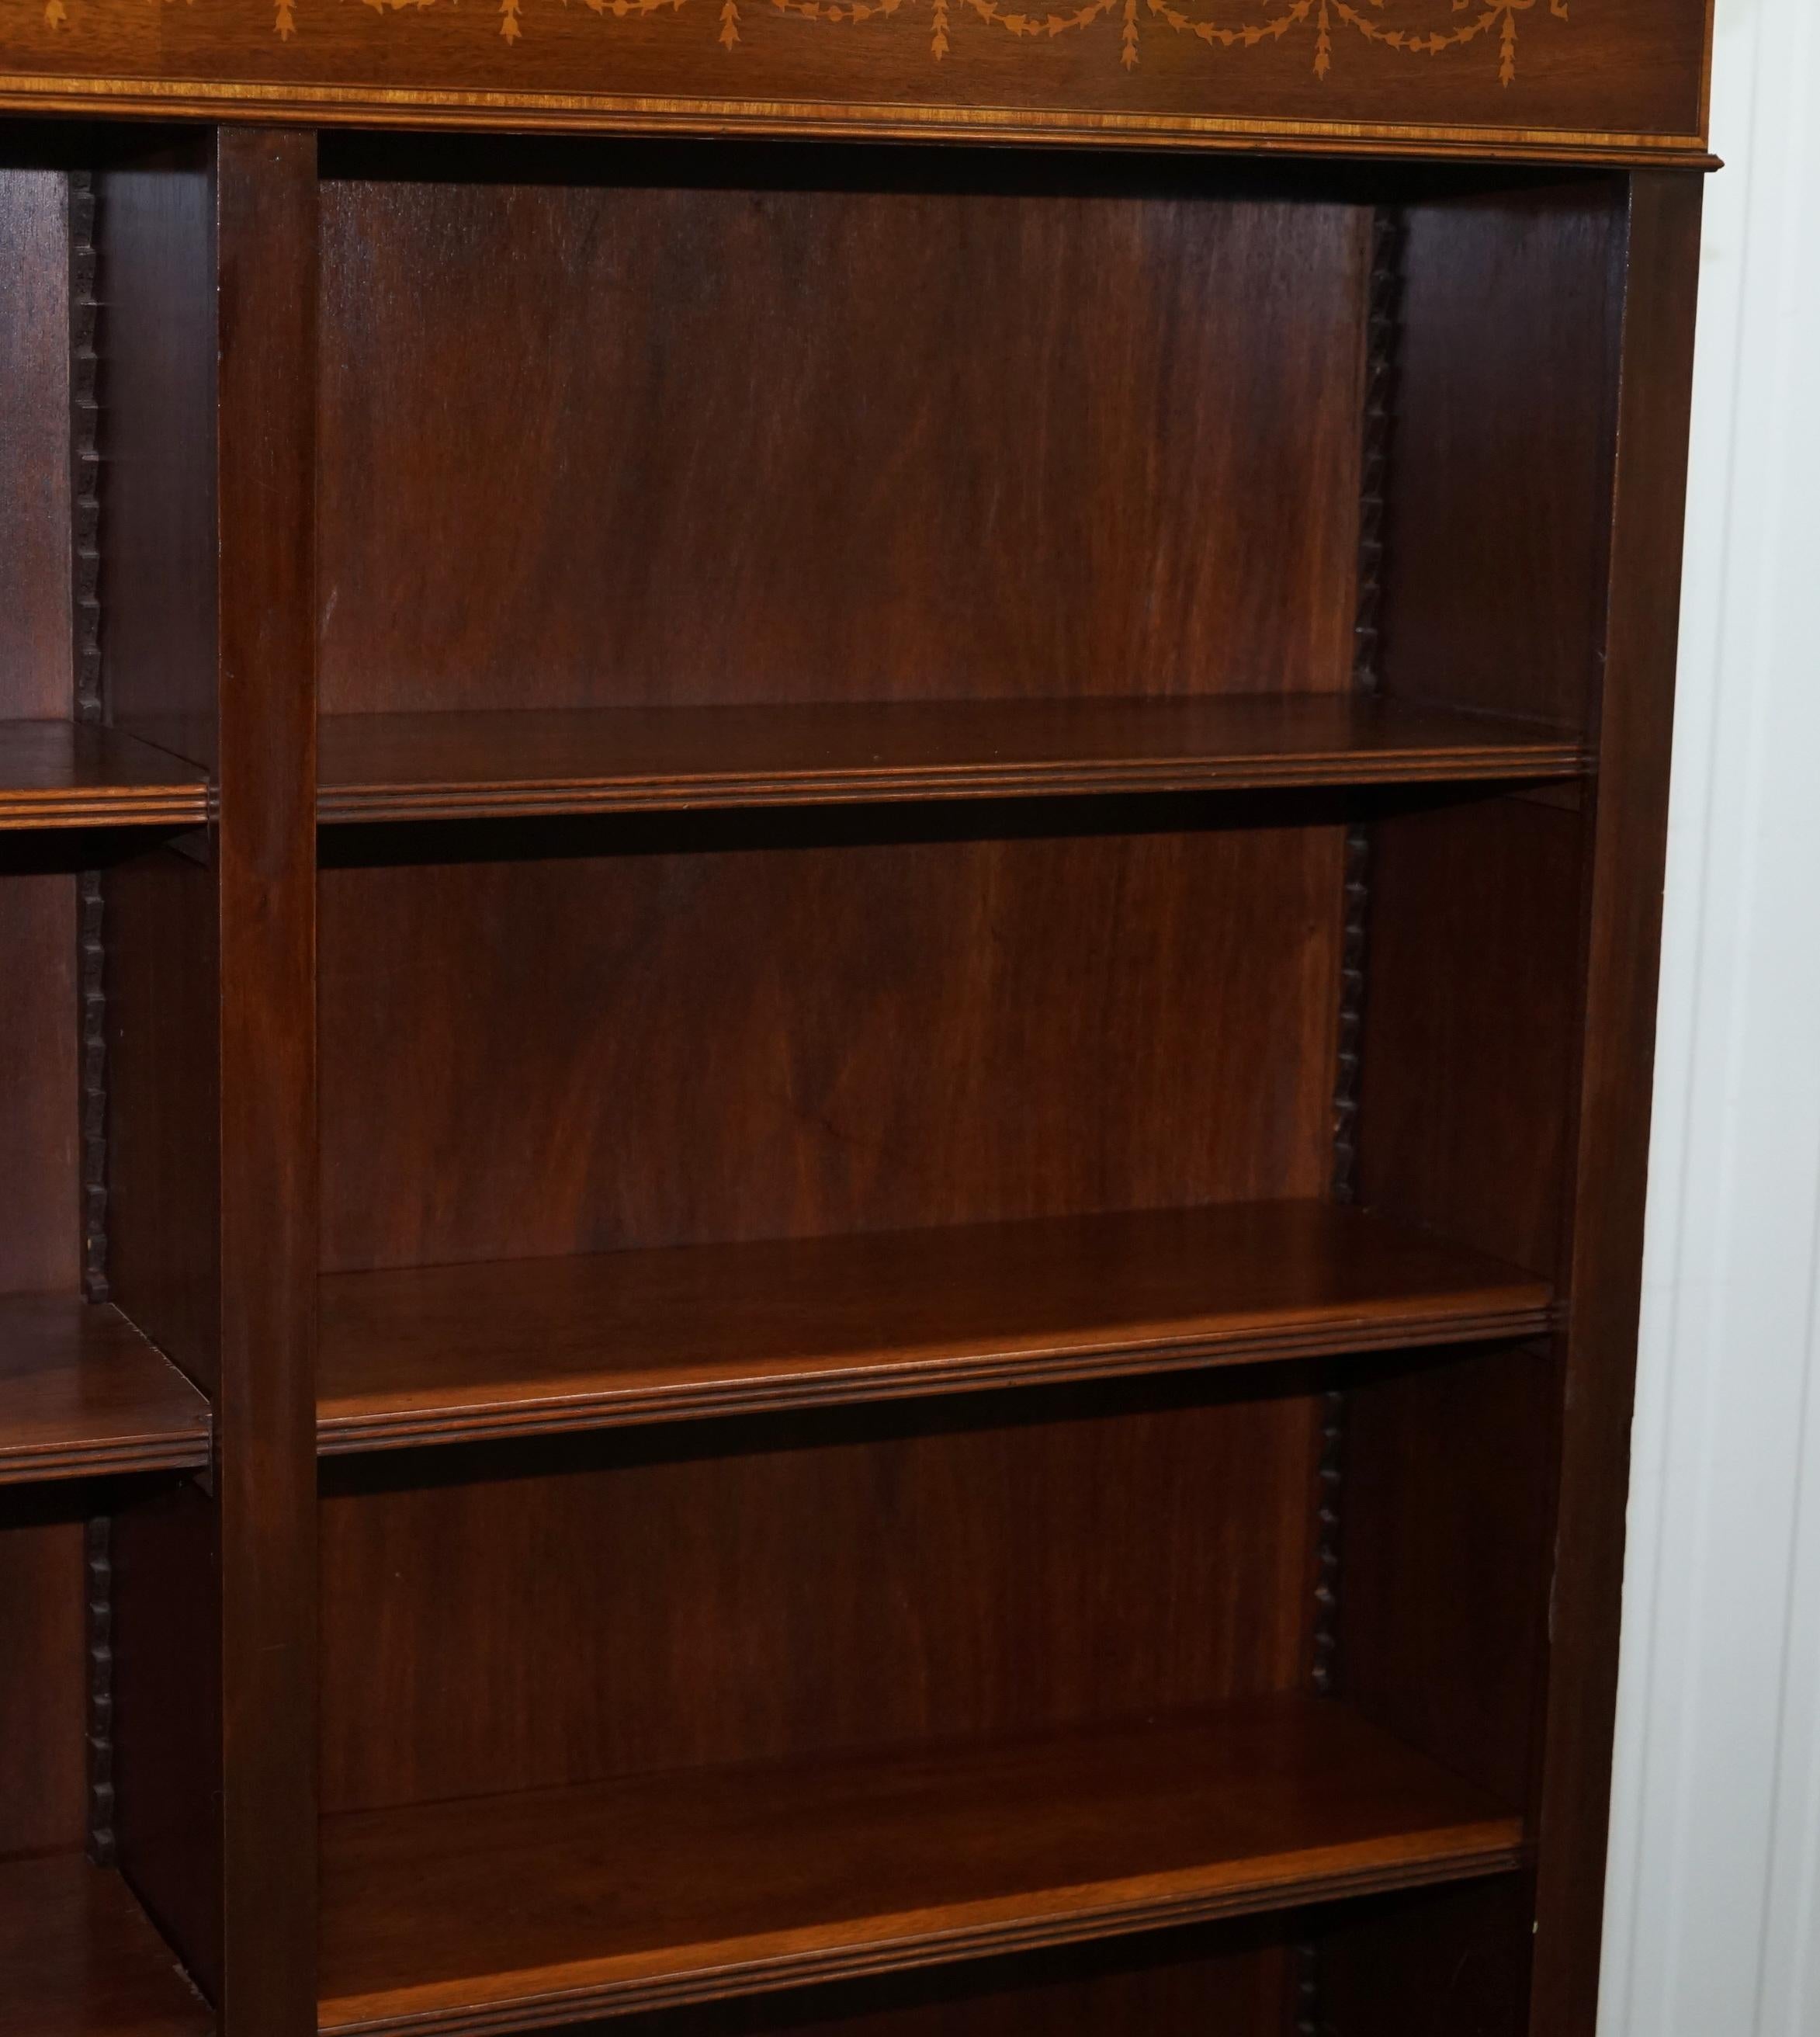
826 978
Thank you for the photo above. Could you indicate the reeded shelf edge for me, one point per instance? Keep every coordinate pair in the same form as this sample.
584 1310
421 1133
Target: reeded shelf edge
177 809
416 1355
779 1874
1472 1854
83 1394
456 802
345 1433
28 1467
475 765
60 774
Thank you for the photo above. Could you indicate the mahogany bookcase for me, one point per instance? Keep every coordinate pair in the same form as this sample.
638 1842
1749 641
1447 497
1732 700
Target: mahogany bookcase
826 982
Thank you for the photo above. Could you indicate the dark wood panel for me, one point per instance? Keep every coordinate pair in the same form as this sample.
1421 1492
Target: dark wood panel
81 1391
35 673
435 1354
530 1057
1228 1977
1447 1488
847 1579
167 1679
770 1875
163 991
1494 562
1443 1963
155 255
1472 984
80 1960
61 774
404 766
1604 1259
209 255
689 444
43 1679
1419 76
40 1214
266 197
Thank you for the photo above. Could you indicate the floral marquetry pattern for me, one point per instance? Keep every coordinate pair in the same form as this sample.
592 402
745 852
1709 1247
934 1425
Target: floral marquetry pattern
1321 22
1324 25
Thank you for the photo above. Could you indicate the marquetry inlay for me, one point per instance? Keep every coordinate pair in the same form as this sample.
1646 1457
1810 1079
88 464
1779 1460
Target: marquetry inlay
1429 29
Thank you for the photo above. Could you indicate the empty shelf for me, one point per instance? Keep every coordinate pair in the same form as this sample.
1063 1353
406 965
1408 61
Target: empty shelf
81 1392
78 1959
509 1912
453 1353
616 760
70 774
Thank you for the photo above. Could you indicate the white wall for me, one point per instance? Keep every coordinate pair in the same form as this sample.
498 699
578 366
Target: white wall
1713 1905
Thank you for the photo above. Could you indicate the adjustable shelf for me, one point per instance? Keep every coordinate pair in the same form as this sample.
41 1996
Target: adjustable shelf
457 1353
518 1912
392 767
61 774
78 1959
83 1392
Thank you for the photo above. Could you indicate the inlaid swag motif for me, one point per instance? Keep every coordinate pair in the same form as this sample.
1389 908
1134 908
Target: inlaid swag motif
1325 25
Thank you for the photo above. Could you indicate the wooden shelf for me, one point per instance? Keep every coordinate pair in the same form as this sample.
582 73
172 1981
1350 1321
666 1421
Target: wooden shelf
455 1353
506 1912
67 774
78 1959
388 767
83 1392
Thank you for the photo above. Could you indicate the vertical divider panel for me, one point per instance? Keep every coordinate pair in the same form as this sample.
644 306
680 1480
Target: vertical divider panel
1627 824
208 264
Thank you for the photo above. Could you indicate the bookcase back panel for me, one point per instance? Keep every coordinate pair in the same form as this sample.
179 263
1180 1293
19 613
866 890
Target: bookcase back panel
525 1057
536 1615
1469 1053
39 1214
40 1217
35 582
1506 368
958 429
1447 1963
43 1672
1449 1474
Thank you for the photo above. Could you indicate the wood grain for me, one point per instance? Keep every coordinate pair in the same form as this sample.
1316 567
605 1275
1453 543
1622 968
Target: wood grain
782 613
619 760
842 1030
62 774
265 194
1465 1117
765 436
1494 559
44 1672
1603 1260
36 670
209 253
40 1212
773 1876
444 1354
835 1580
1628 79
82 1391
1449 1482
80 1960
